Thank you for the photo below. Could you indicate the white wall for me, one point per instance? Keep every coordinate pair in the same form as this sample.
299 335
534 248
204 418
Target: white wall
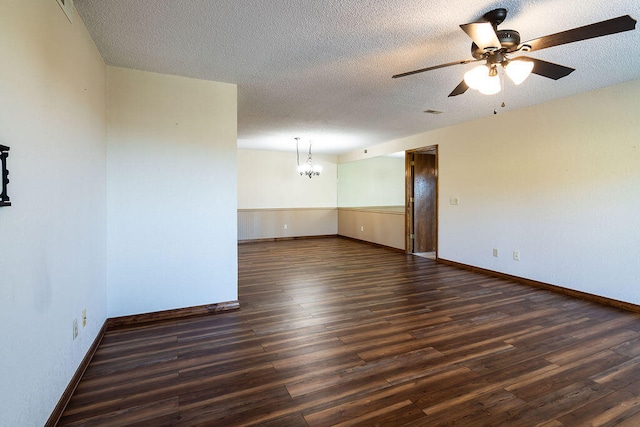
269 179
53 237
172 192
379 181
562 187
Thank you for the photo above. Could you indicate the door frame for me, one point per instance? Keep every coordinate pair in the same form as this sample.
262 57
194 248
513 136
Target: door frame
409 199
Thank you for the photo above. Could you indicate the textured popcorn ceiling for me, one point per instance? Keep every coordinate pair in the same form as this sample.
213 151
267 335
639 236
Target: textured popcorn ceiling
321 69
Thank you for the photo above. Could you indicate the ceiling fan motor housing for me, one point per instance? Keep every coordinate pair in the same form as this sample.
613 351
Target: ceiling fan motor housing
509 39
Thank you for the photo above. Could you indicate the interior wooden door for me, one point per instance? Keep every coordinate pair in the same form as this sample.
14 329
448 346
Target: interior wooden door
409 201
424 202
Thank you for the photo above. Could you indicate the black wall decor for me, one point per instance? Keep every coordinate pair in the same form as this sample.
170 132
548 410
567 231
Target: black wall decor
4 176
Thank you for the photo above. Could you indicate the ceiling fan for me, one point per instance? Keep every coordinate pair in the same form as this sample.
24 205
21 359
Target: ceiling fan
494 47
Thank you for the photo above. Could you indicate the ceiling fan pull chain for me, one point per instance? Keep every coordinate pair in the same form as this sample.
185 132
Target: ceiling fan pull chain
504 89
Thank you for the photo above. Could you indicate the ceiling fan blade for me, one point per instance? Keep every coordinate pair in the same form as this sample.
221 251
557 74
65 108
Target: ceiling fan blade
460 89
549 69
435 67
598 29
483 34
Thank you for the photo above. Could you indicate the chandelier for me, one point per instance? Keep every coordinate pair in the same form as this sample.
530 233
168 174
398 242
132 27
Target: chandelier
307 168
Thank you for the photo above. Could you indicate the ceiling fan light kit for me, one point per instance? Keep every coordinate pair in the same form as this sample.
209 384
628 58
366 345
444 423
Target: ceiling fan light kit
486 80
494 47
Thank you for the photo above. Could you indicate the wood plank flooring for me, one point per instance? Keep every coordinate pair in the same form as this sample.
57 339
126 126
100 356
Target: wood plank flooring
336 332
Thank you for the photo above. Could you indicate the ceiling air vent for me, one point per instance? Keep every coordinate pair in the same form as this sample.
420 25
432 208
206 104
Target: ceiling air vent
433 112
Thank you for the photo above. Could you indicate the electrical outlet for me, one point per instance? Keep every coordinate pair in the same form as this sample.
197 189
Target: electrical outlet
84 317
454 201
75 328
362 228
516 256
286 226
495 252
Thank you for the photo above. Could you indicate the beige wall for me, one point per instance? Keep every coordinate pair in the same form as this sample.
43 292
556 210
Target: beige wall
371 182
53 237
560 186
380 225
171 147
269 179
172 192
256 224
272 195
371 200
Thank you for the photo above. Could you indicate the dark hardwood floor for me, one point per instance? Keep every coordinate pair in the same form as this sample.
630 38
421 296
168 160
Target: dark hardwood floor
337 332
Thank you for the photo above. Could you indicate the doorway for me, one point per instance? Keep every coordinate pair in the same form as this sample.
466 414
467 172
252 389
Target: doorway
422 202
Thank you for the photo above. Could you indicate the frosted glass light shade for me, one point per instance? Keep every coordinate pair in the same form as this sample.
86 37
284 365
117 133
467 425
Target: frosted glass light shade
518 70
479 78
476 77
491 85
